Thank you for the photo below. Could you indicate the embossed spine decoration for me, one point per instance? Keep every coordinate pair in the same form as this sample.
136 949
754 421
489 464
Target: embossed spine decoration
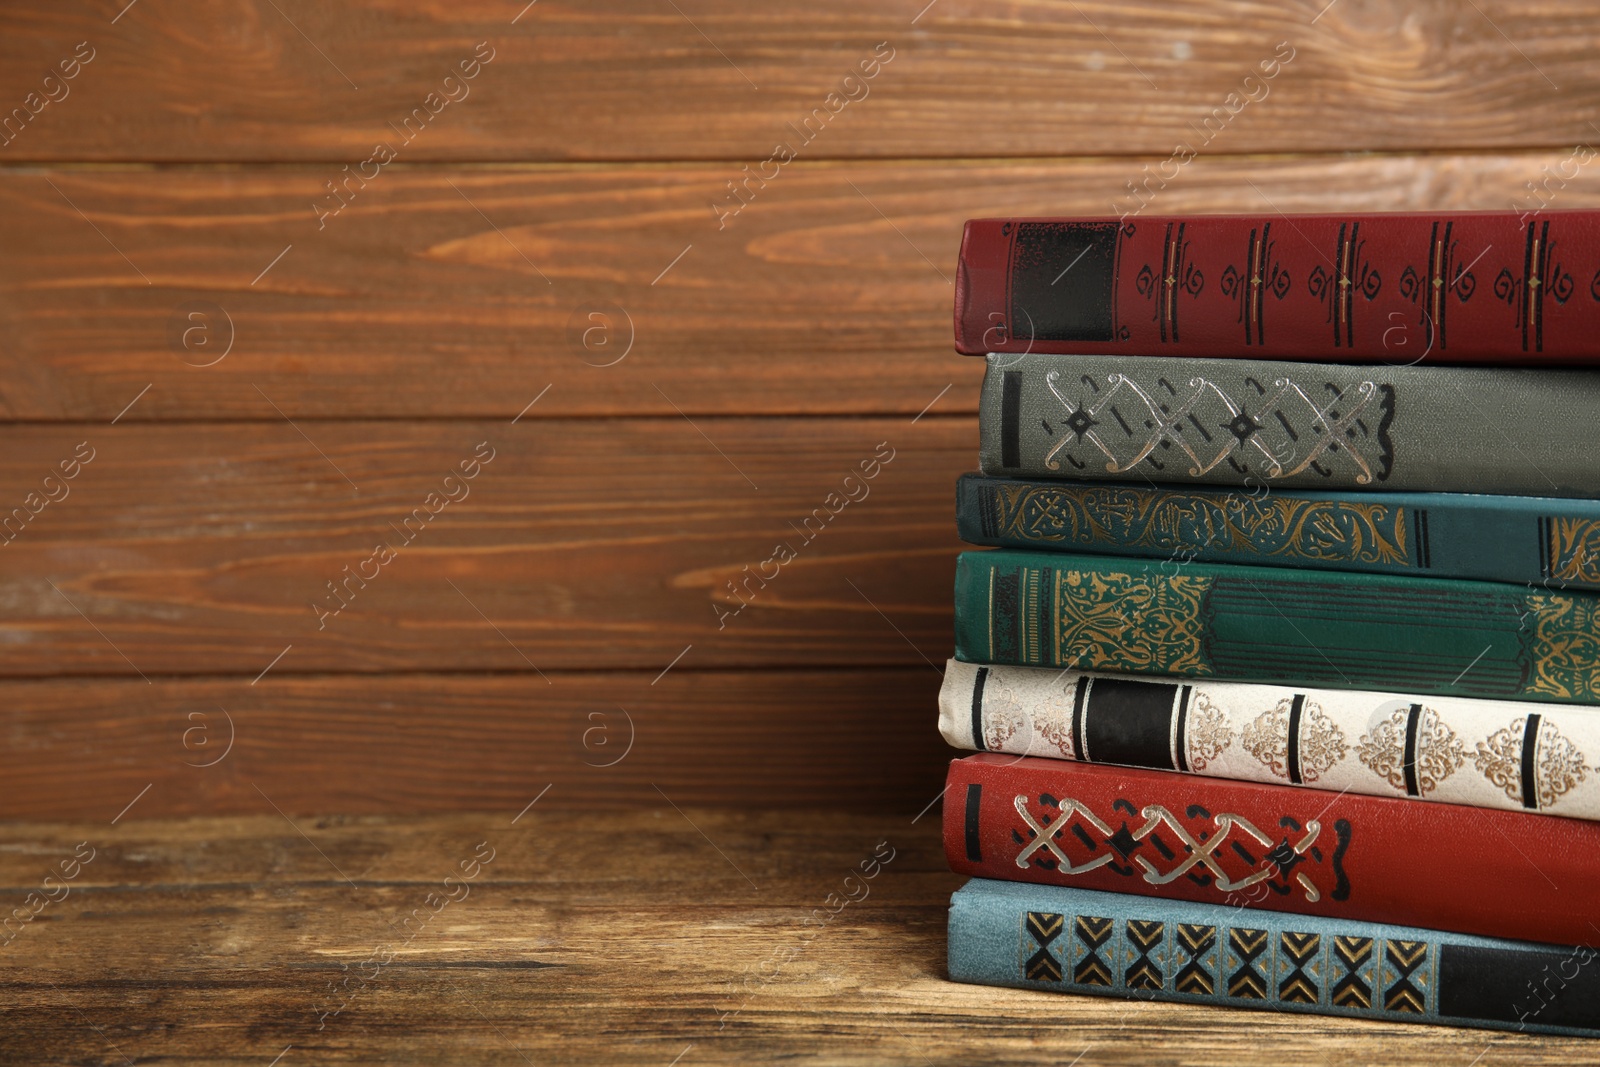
1573 549
1565 651
1107 619
1327 425
1274 527
1412 749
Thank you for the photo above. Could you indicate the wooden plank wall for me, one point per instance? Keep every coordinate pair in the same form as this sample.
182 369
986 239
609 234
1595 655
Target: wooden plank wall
263 295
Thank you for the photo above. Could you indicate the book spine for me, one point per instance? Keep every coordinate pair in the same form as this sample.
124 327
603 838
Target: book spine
1388 288
1531 540
1308 851
1437 636
1484 753
1114 944
1260 424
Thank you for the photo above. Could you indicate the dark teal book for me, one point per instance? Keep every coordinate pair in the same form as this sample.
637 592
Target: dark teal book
1297 627
1120 945
1545 540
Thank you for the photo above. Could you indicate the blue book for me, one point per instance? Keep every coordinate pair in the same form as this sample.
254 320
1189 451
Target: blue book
1120 945
1551 542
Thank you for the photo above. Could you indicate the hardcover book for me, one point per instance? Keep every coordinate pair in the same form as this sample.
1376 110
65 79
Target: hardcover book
1259 423
1545 540
1434 636
1485 753
1464 287
1113 944
1238 844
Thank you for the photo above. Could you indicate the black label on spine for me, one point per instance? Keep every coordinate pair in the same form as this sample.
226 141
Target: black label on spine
977 707
1130 723
1533 986
1079 692
989 508
974 808
1063 281
1296 709
1180 748
1011 420
1530 778
1408 759
1003 616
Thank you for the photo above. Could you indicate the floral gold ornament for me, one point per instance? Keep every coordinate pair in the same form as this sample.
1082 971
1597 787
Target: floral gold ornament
1574 547
1276 527
1209 732
1003 717
1130 622
1438 753
1558 765
1565 650
1295 740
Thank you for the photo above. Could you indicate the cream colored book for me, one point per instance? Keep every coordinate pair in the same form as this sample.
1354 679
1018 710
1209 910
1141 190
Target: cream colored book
1504 754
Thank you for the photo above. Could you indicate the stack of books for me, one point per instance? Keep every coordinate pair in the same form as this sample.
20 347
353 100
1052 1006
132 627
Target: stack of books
1282 665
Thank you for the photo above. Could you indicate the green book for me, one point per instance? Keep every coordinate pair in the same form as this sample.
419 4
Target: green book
1273 624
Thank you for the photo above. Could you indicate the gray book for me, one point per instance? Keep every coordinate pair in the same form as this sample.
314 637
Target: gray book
1260 423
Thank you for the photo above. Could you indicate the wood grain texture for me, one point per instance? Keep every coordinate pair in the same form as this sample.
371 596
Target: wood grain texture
860 740
458 292
599 543
623 938
633 79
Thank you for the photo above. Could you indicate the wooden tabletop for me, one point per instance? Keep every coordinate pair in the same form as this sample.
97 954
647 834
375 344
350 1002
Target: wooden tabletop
660 937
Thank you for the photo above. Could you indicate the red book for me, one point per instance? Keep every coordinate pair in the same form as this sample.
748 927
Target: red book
1461 287
1284 848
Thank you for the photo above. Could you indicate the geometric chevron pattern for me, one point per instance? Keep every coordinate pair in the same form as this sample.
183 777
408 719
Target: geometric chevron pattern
1405 976
1267 964
1245 948
1299 967
1196 959
1353 968
1042 928
1092 933
1145 954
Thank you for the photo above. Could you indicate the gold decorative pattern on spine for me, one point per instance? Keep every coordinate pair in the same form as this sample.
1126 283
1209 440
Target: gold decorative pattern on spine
1575 550
1321 740
1052 725
1559 764
1142 623
1499 759
1002 718
1208 732
1267 739
1439 752
1321 743
1565 648
1273 527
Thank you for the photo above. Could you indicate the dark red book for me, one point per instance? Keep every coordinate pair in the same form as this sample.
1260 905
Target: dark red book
1284 848
1461 287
